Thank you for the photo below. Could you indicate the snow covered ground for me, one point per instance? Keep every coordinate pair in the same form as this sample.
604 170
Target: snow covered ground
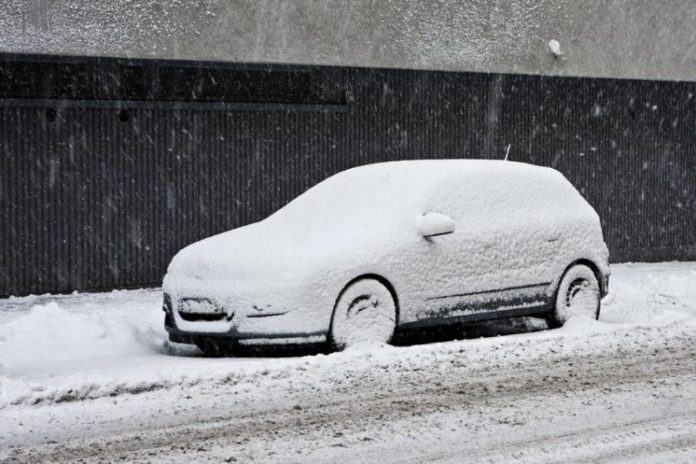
91 376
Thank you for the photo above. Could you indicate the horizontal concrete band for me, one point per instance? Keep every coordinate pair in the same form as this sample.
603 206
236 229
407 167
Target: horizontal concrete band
646 39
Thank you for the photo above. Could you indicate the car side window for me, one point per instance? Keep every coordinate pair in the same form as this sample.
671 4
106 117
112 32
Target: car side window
484 201
467 200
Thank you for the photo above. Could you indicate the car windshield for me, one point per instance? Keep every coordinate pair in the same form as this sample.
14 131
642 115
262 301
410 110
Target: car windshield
362 197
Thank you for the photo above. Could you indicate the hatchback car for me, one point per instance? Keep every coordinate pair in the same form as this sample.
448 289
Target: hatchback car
394 246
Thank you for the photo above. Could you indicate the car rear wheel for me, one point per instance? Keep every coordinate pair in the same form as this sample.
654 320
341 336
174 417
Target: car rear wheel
578 295
365 312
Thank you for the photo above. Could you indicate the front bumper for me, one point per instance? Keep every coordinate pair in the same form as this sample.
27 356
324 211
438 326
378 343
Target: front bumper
179 336
236 336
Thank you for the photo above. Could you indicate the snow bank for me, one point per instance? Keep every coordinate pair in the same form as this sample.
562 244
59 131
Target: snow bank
43 339
655 293
48 334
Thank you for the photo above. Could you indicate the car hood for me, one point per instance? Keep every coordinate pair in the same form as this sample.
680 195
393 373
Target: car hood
238 254
276 254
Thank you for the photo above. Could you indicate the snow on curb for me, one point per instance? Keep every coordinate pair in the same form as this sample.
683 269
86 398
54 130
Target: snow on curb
581 338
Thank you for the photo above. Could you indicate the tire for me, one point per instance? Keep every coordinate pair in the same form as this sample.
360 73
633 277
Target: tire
365 312
214 348
578 294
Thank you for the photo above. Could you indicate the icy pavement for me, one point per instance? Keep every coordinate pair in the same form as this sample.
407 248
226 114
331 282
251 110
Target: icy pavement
92 377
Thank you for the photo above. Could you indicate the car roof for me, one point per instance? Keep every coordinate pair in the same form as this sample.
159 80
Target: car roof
446 163
431 171
392 186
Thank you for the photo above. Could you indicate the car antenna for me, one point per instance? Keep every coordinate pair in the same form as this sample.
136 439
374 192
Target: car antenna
507 152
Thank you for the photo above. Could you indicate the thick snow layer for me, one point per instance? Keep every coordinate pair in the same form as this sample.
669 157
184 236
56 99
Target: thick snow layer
515 225
47 339
62 348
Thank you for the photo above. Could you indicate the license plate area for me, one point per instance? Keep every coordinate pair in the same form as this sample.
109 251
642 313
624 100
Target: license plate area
200 306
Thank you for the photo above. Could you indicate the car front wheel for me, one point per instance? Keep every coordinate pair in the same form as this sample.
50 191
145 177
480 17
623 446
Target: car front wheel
578 295
365 312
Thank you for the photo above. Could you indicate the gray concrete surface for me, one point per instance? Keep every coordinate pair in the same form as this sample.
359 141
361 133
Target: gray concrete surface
653 39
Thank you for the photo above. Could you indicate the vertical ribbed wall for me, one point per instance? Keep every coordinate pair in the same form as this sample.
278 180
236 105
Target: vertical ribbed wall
628 146
92 202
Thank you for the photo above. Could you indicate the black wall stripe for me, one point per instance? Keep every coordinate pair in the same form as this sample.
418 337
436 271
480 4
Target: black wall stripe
92 198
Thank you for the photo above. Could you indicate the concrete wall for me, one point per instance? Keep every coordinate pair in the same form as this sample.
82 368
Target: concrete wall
652 39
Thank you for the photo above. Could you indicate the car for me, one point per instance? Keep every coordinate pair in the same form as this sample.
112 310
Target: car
393 246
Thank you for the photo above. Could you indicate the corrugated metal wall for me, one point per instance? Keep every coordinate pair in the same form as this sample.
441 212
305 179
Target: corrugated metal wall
99 194
628 146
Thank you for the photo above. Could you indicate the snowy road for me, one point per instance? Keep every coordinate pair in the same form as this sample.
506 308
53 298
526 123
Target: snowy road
89 377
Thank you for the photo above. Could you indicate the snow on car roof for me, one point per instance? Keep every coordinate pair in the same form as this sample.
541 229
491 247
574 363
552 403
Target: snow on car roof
395 184
423 173
432 170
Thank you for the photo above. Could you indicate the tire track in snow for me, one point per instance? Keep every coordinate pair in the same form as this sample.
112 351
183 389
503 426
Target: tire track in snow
626 442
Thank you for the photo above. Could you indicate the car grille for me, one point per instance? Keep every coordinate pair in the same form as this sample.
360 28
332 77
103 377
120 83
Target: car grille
191 317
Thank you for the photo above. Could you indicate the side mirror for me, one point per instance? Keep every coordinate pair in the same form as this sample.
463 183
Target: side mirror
434 224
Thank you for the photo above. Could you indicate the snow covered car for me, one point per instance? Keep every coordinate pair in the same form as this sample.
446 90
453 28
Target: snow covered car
394 246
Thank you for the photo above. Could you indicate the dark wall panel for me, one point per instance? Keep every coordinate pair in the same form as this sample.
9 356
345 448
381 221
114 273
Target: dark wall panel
100 185
627 145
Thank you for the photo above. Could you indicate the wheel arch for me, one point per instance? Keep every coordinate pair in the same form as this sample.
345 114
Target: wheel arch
589 263
382 280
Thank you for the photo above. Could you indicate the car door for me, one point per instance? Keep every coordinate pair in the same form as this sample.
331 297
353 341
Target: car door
492 259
